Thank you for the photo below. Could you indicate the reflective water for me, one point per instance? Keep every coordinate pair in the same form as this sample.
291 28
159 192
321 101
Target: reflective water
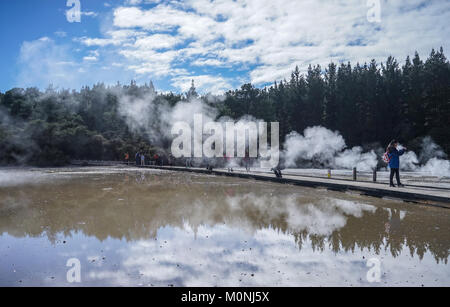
152 228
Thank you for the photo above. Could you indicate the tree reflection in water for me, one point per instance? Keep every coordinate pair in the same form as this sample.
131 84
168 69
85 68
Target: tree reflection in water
134 205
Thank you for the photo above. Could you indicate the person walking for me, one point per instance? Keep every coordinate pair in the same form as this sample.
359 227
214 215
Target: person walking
393 155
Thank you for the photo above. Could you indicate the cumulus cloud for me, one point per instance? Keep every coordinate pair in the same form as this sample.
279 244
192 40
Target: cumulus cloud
262 40
275 36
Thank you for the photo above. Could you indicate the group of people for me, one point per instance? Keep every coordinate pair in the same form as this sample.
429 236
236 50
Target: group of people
140 159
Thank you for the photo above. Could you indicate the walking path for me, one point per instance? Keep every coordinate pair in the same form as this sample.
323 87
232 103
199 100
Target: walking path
423 194
420 194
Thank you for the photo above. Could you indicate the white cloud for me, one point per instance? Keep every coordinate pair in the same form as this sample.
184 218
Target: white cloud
98 41
138 2
133 2
157 41
115 38
265 38
275 36
90 58
150 61
208 62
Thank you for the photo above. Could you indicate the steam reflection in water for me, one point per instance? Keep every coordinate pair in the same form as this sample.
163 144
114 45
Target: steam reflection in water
132 227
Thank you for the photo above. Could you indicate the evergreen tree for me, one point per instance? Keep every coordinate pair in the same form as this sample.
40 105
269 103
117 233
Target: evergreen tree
436 97
330 119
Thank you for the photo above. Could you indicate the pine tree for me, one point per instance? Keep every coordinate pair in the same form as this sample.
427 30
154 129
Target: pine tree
315 96
437 97
296 104
330 102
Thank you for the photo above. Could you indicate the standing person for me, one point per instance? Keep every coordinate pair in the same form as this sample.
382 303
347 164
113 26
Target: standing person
142 160
137 158
394 162
127 158
247 161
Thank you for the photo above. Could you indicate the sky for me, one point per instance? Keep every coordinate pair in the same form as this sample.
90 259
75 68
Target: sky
221 44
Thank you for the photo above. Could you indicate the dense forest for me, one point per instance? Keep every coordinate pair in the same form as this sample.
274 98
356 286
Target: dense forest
368 104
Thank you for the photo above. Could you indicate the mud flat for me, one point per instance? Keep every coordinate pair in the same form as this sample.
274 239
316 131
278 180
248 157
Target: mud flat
148 227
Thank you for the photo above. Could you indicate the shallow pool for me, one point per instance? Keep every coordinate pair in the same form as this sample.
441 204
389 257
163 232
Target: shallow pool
128 227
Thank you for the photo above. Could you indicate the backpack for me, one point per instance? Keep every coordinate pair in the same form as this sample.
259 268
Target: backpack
386 158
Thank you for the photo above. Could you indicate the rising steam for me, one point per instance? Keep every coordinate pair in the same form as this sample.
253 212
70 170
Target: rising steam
321 147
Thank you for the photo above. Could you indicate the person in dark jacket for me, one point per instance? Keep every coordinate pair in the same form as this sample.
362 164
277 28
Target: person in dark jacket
137 158
394 162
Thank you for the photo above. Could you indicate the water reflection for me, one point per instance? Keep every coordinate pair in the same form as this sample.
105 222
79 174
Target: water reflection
184 229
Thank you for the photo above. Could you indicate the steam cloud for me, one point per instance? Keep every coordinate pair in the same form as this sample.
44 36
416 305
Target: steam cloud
147 113
432 159
316 147
321 147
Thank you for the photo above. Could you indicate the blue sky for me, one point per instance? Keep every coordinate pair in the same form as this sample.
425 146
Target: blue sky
221 43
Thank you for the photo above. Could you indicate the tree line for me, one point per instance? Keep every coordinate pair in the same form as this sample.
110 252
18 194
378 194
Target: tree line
369 104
